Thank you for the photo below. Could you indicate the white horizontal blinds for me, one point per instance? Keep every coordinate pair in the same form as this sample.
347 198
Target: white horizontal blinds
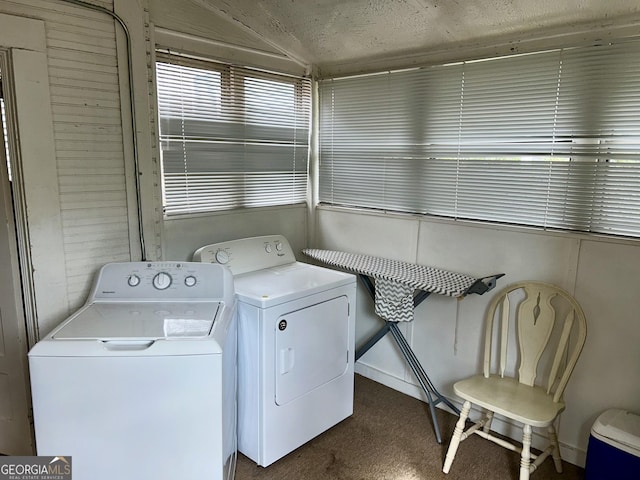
372 137
231 137
599 109
548 139
508 110
441 126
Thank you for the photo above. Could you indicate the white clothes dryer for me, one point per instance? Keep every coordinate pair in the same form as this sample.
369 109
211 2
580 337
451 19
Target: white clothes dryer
140 383
296 328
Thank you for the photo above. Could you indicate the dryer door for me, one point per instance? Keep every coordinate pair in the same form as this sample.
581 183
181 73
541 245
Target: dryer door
311 348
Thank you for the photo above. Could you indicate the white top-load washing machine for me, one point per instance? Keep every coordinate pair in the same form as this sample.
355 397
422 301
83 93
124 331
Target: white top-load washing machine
140 383
296 327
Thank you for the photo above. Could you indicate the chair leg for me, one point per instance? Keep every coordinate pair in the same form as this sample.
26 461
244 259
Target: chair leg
456 437
487 426
553 438
525 459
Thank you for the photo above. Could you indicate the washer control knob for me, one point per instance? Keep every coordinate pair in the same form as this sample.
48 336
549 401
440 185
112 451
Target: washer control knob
162 281
222 257
279 246
133 280
190 281
267 248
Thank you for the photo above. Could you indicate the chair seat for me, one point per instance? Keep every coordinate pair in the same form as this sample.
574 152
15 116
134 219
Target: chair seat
510 398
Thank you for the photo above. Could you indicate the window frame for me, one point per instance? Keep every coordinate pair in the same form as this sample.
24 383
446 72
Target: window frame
571 150
234 111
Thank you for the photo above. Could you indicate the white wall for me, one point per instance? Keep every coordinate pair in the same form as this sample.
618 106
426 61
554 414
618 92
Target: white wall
446 333
184 235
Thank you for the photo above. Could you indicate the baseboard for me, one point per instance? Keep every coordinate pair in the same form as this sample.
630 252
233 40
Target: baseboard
571 454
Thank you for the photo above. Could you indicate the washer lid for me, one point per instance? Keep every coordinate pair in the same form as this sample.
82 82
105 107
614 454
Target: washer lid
276 285
140 321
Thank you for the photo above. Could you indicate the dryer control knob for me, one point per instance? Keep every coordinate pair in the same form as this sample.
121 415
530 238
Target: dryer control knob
267 248
133 280
222 257
279 246
190 281
162 281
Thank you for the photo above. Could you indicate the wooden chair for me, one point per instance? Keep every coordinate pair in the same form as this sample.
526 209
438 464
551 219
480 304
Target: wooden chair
550 329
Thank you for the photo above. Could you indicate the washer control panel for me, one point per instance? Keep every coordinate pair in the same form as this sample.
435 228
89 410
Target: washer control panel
160 280
248 254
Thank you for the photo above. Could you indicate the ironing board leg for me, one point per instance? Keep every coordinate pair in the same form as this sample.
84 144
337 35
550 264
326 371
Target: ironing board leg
372 341
424 380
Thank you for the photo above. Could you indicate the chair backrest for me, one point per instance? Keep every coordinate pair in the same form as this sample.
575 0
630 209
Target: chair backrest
537 312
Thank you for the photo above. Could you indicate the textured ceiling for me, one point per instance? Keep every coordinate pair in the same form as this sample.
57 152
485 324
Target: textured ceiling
333 32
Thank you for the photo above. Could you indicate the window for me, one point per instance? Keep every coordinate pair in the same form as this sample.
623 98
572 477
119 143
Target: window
549 139
230 137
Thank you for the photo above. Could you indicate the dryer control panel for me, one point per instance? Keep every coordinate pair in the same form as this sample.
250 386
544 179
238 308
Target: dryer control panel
248 254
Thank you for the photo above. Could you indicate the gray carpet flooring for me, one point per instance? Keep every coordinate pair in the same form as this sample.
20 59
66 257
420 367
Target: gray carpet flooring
390 437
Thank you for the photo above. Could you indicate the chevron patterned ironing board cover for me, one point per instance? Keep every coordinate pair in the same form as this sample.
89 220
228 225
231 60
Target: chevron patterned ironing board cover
396 281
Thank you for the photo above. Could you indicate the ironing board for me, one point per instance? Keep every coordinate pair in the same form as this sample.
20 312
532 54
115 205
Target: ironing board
397 288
